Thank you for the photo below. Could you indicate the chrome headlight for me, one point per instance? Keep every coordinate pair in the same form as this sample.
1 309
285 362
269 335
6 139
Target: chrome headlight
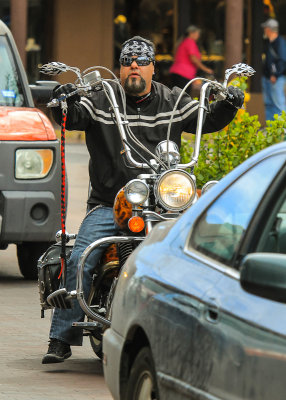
207 186
175 190
136 192
33 163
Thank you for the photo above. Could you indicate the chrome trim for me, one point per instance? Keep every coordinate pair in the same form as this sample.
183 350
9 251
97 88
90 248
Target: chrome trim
208 185
128 184
201 111
120 125
168 151
79 278
184 388
157 217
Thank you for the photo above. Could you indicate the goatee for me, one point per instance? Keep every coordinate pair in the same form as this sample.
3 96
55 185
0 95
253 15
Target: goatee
133 86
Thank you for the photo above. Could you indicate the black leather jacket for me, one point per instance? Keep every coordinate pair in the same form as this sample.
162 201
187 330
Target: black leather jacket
148 120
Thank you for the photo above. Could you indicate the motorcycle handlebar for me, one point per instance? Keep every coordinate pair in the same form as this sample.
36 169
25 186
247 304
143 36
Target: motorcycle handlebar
92 81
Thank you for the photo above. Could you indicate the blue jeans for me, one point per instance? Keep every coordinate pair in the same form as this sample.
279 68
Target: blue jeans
274 97
97 224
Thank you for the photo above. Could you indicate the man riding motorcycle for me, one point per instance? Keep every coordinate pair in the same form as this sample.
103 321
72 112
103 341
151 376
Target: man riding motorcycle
149 106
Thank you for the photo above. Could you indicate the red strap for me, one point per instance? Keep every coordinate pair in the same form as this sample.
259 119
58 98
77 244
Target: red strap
63 191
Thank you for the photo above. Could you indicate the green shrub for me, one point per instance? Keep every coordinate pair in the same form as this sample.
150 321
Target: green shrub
222 151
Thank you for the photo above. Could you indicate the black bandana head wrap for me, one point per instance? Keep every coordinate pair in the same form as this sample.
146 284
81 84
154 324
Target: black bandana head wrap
137 47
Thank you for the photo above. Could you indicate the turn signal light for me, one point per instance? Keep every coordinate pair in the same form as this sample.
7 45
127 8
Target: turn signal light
136 224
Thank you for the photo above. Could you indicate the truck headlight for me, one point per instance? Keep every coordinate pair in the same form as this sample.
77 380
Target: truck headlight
33 163
175 190
136 192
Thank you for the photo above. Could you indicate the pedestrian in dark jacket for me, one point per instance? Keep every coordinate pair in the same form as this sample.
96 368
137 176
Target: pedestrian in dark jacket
274 68
149 107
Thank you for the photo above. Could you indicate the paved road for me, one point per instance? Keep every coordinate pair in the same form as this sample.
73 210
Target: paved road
24 335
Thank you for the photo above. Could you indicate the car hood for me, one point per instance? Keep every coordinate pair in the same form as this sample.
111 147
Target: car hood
27 124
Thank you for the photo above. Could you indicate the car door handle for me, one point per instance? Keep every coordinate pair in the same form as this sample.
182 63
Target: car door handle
212 314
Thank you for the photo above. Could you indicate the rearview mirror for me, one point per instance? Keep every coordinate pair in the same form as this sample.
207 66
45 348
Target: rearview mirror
264 275
42 91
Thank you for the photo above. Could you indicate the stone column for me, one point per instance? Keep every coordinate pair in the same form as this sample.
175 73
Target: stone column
19 25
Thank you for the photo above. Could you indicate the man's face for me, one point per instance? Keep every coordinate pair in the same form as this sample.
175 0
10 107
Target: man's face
135 79
267 32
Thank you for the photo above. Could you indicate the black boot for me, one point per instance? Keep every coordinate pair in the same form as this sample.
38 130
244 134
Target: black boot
58 351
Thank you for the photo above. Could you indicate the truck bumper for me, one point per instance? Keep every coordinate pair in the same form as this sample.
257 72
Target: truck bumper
112 349
28 216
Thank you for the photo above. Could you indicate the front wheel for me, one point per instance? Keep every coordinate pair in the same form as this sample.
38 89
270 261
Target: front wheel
104 298
142 383
28 254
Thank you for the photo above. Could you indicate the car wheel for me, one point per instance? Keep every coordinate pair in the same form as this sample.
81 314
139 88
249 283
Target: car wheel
28 254
142 384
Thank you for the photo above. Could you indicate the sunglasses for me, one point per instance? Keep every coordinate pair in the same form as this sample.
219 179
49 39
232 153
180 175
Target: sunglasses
141 61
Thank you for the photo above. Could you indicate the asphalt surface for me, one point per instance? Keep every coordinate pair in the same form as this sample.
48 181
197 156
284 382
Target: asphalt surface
24 335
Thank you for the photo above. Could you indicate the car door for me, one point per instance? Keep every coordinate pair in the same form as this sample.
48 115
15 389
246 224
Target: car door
249 356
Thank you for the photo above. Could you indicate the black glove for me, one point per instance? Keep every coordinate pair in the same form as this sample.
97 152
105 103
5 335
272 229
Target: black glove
66 89
235 96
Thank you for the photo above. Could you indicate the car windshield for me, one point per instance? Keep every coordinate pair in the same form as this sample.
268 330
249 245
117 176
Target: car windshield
11 91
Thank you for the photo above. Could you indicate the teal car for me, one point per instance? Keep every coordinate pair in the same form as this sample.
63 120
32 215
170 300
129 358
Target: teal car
200 307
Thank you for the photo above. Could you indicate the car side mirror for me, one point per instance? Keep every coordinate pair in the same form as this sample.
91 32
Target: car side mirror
264 275
42 91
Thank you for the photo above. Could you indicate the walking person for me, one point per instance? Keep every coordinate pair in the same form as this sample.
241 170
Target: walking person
188 59
274 68
149 105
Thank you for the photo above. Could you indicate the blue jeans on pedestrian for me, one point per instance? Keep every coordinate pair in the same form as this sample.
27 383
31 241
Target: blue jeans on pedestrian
274 97
97 224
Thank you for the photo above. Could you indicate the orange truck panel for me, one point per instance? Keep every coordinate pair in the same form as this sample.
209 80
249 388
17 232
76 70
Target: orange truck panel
19 123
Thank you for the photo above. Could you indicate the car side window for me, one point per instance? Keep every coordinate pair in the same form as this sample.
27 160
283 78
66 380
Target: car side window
11 92
219 230
273 236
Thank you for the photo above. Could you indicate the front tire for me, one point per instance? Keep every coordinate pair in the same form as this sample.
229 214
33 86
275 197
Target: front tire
28 254
142 383
96 344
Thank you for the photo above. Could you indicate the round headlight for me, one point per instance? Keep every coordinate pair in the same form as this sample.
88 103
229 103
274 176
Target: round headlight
136 191
175 190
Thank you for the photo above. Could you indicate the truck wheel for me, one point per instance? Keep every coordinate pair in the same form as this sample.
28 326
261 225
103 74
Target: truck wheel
28 254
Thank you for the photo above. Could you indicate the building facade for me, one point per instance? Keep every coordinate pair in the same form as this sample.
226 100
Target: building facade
85 33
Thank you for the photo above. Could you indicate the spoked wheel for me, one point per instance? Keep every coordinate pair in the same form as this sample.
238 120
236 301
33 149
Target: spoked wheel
142 384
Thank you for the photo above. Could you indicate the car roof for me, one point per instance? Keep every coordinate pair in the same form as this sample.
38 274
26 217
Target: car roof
4 30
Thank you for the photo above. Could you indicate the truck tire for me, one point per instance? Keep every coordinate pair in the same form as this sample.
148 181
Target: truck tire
28 254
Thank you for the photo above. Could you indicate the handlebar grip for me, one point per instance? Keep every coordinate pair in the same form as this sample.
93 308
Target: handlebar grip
56 101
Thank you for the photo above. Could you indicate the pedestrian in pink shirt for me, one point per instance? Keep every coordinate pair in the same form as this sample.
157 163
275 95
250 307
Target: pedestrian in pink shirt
187 59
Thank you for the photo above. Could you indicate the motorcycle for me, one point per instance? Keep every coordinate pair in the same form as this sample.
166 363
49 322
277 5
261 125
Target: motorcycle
166 190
